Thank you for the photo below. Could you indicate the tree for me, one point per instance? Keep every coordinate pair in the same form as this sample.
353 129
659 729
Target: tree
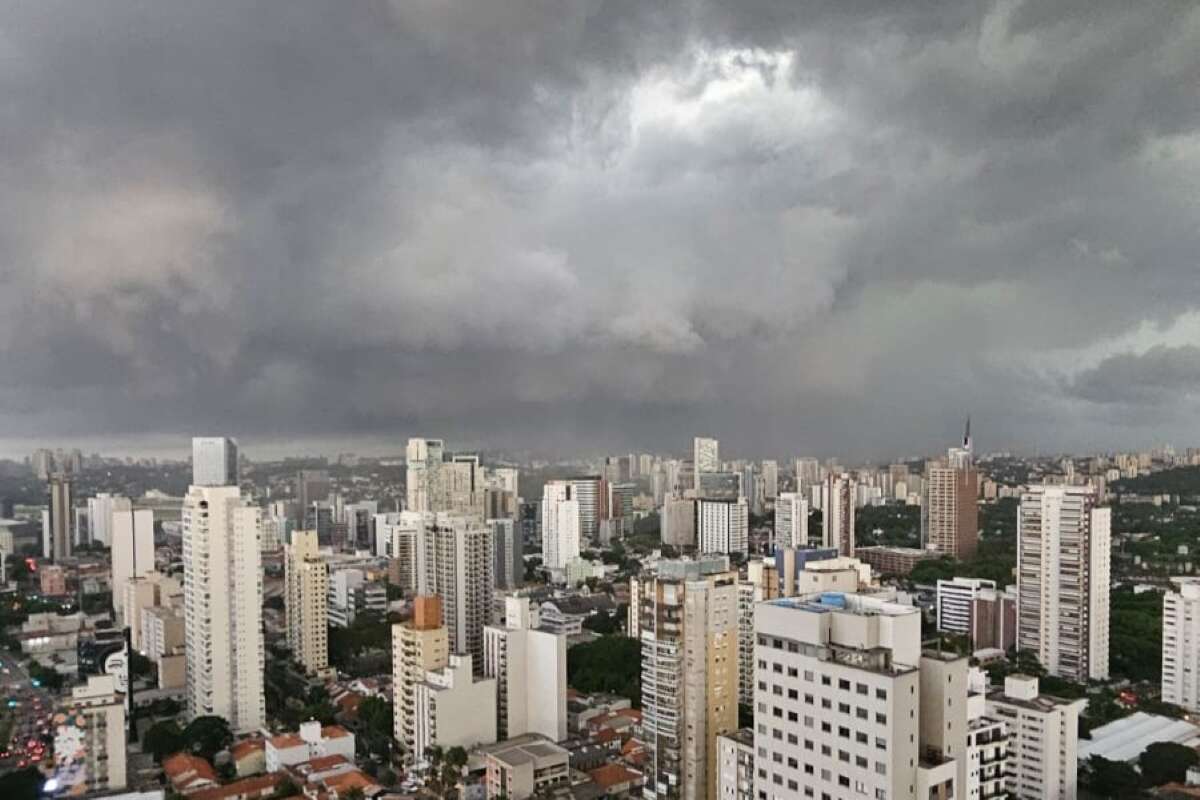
23 784
453 762
355 793
208 735
163 739
1113 779
1166 762
608 664
140 666
285 788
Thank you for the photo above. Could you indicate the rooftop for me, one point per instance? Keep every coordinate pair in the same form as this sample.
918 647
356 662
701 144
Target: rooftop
1125 739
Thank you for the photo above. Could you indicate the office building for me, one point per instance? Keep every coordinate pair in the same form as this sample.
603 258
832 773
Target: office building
898 561
590 492
791 520
524 767
837 509
689 633
132 548
722 526
452 708
949 509
509 566
422 475
223 598
678 522
1044 739
840 704
562 527
56 518
306 590
89 739
706 457
214 461
975 608
529 664
770 477
455 561
359 522
1063 575
313 488
418 646
350 593
1181 644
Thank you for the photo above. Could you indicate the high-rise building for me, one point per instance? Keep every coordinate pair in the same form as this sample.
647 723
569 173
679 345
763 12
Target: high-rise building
132 548
688 624
397 536
455 561
722 526
223 598
306 586
313 487
1181 644
1044 745
837 509
770 478
562 528
509 567
590 492
735 770
418 646
452 708
678 526
56 518
214 461
1063 575
99 517
706 457
422 480
950 510
530 668
353 592
791 520
359 519
89 739
808 475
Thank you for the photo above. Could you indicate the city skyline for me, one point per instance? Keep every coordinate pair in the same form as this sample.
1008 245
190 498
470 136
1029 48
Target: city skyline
603 226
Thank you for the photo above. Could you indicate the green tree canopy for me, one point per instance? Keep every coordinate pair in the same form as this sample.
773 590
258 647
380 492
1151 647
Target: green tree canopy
1166 762
162 739
207 735
608 664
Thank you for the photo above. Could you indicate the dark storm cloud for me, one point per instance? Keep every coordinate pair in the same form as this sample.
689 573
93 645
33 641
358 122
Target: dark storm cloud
819 227
1160 375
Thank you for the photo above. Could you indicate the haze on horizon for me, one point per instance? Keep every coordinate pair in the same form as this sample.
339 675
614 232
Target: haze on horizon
827 228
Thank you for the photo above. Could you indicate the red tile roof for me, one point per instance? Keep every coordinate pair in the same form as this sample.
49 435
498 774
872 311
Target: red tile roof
611 775
184 769
258 786
247 747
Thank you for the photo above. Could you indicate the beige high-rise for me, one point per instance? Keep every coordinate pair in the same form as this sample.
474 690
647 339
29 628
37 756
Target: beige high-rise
950 512
689 634
418 646
306 588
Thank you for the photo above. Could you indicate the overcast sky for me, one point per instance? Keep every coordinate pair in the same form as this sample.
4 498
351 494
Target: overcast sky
804 227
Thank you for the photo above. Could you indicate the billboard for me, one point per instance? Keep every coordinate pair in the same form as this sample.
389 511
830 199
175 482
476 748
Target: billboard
70 754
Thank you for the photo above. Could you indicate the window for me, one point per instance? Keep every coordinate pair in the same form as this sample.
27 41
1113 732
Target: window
881 694
861 713
792 738
826 727
825 703
808 698
844 708
861 688
844 684
808 675
881 767
792 672
881 718
826 680
860 737
777 758
843 732
860 762
793 763
808 745
793 694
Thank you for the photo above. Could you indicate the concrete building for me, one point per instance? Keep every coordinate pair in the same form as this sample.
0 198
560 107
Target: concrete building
530 667
56 518
1044 744
142 593
841 706
99 517
791 520
214 461
837 510
350 593
1063 576
591 493
132 548
679 522
950 510
306 601
452 708
223 598
89 739
706 457
955 601
162 632
975 608
455 561
562 529
52 580
1181 644
770 478
898 561
735 765
418 646
397 536
312 740
722 526
509 566
689 634
422 484
524 766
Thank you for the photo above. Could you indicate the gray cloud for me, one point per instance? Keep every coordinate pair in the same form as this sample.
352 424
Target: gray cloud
1160 375
828 228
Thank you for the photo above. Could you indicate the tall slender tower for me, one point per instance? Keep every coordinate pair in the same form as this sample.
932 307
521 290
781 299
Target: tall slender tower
562 529
950 507
837 510
214 461
455 561
1063 572
306 593
223 597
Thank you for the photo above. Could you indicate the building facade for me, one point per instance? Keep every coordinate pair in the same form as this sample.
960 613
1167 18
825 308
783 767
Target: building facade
306 589
214 461
1181 644
418 646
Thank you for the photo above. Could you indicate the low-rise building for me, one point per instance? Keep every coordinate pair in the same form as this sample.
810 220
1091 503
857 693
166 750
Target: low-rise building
311 741
898 561
452 708
520 767
89 738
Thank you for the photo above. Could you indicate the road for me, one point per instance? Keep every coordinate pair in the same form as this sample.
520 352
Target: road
29 708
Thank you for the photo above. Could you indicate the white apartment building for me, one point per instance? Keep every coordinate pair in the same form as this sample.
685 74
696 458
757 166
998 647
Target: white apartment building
396 537
1063 577
350 593
791 520
162 632
530 668
214 461
418 646
735 765
706 457
89 744
838 702
588 491
453 709
689 633
770 477
562 529
955 600
722 526
306 589
223 598
455 561
1044 739
422 483
131 532
99 516
1181 644
312 740
838 493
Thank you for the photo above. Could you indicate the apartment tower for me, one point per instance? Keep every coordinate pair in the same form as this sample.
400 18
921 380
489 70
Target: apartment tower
306 588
